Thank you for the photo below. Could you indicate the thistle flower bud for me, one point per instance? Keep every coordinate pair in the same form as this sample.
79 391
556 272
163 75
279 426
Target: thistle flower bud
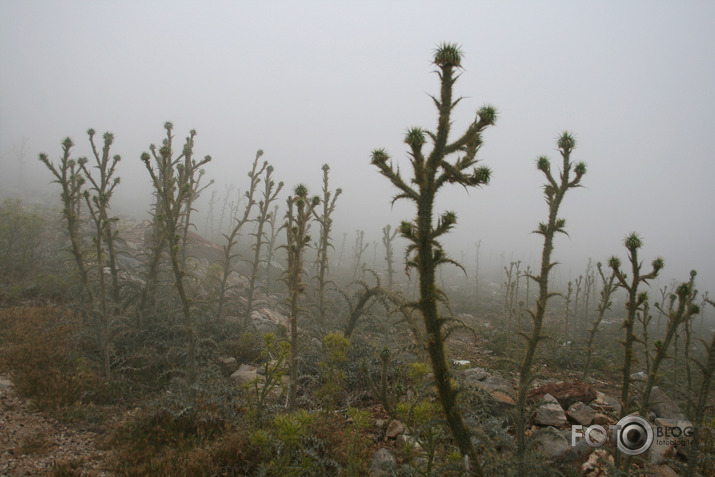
566 141
487 115
633 242
379 156
543 164
415 137
301 190
448 55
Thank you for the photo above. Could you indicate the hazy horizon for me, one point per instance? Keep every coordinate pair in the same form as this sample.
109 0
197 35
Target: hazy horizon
327 82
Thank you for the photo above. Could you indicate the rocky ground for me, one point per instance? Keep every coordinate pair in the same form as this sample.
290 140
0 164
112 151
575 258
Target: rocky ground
32 444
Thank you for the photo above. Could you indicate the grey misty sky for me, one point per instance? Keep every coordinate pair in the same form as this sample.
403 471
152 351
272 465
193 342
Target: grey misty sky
314 81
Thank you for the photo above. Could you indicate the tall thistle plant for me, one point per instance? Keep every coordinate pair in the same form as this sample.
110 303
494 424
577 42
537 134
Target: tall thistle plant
634 304
232 238
174 186
554 192
325 220
297 225
430 171
270 193
97 198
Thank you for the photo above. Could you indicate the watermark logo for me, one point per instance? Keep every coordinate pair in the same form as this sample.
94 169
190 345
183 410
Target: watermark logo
633 435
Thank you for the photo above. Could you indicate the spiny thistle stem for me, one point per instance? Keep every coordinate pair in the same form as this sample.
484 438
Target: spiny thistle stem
554 192
298 216
424 252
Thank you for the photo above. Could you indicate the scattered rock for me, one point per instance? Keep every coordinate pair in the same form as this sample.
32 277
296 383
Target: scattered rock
383 464
552 441
566 392
245 373
594 466
408 441
495 383
228 365
664 471
394 429
575 455
461 362
602 419
663 406
503 399
606 404
474 375
581 413
660 450
550 414
639 376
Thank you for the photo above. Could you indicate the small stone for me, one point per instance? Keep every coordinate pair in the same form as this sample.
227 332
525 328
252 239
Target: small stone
663 406
550 414
394 429
383 463
639 376
245 373
581 413
601 419
594 467
552 442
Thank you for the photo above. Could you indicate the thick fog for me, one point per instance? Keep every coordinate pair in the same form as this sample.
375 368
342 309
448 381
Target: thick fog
326 82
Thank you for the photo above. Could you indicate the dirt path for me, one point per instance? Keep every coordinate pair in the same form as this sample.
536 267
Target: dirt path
32 444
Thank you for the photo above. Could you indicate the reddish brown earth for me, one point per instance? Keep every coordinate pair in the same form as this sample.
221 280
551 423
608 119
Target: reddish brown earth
33 444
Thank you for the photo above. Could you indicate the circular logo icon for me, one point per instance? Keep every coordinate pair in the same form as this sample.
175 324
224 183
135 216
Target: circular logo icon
634 435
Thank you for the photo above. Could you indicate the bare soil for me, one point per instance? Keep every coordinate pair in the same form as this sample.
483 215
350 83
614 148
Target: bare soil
33 444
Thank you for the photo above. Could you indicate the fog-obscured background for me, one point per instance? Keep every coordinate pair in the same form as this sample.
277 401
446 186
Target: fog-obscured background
316 82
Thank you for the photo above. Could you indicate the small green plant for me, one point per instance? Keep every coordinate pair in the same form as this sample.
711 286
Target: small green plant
359 421
274 355
20 238
335 347
384 394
